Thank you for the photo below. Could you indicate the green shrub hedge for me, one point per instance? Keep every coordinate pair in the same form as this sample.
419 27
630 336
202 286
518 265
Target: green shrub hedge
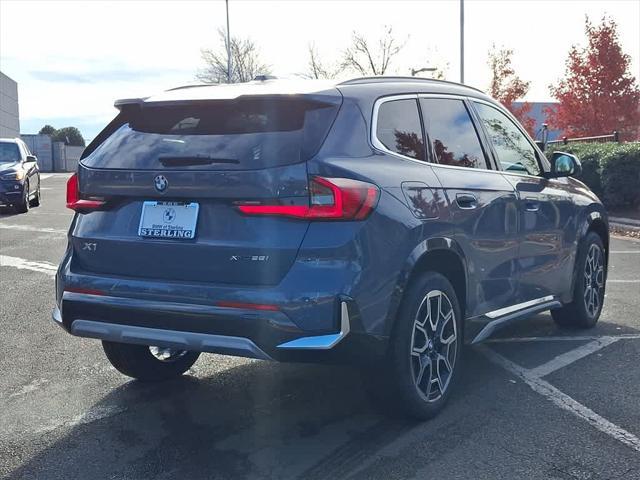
610 170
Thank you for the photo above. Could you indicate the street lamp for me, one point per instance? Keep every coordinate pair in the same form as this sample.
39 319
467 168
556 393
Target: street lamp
228 45
461 41
414 72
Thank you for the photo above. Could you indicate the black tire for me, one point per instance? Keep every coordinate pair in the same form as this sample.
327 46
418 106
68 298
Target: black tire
581 313
138 362
394 381
35 202
23 205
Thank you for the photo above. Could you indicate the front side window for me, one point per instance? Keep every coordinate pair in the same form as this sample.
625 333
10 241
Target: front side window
451 132
514 151
398 128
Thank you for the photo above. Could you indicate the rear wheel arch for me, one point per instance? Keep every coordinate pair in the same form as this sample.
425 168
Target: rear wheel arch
441 255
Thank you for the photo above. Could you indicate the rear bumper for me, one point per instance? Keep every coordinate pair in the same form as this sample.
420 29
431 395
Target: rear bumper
265 335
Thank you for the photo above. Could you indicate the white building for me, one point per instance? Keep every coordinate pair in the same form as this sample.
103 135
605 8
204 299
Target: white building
9 118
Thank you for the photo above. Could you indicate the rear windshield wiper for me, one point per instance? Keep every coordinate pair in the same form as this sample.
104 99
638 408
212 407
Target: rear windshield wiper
185 161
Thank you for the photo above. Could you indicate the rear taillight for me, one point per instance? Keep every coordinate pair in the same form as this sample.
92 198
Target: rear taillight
329 199
74 202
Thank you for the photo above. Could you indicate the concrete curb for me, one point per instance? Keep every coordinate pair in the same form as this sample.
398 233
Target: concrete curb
624 221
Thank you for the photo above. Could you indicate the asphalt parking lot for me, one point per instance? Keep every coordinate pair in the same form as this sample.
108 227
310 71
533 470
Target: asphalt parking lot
535 402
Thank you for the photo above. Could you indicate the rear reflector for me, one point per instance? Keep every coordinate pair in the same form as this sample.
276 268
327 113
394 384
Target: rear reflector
85 291
248 306
74 202
329 199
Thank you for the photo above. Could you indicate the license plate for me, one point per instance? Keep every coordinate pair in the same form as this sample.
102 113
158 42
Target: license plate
174 220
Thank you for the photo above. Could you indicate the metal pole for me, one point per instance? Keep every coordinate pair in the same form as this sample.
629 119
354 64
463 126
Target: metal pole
228 46
461 41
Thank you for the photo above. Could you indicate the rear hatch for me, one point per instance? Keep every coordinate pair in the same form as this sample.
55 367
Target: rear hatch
163 183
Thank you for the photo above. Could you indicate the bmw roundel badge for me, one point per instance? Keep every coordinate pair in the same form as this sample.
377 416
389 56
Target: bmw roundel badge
160 183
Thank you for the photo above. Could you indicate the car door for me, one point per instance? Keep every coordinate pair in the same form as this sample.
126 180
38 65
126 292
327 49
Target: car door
483 203
31 168
546 208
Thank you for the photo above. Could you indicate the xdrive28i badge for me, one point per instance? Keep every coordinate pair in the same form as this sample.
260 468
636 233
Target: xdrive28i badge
161 183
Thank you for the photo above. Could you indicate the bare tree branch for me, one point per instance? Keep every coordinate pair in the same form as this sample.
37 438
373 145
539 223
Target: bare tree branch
367 60
245 61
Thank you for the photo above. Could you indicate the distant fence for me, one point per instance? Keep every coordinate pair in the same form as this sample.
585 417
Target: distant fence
614 137
53 156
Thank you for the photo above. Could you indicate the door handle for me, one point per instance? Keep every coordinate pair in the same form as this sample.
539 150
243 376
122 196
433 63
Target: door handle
466 201
531 205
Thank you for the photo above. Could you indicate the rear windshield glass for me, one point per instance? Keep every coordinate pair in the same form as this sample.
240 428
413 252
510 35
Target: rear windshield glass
219 135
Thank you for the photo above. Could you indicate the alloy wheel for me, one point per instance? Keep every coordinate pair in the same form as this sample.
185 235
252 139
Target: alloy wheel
593 280
165 354
434 345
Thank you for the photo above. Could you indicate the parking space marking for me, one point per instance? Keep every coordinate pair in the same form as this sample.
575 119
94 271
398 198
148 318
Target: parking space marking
623 281
571 356
562 400
624 251
22 264
631 336
29 228
44 176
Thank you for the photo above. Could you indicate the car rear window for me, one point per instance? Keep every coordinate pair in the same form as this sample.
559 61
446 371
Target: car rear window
219 135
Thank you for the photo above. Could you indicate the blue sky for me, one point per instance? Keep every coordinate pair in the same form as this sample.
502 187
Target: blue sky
73 59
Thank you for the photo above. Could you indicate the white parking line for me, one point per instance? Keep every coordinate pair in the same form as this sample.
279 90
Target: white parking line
29 228
22 264
44 176
571 356
632 336
623 281
563 400
624 251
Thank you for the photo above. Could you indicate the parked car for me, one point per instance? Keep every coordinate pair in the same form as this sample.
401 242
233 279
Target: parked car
19 176
382 221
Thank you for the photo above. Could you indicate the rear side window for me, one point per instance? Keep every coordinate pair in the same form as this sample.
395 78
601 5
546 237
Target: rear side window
453 137
398 128
514 151
218 135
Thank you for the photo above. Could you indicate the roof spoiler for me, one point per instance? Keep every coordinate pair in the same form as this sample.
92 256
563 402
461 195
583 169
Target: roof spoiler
119 104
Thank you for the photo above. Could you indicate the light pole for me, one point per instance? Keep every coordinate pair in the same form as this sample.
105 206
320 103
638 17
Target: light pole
461 41
228 45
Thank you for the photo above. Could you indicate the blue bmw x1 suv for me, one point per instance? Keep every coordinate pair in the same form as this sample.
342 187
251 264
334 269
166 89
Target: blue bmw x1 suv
382 221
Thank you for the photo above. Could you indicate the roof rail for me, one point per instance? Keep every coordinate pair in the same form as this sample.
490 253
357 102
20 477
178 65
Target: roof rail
390 79
264 78
192 85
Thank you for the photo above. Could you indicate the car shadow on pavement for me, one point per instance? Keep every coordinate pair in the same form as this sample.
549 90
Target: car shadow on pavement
259 419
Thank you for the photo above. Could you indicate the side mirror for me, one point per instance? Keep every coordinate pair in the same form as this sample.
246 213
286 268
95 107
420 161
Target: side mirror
32 158
565 165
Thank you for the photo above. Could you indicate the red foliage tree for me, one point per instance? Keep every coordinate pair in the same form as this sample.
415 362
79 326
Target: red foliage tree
598 94
507 87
